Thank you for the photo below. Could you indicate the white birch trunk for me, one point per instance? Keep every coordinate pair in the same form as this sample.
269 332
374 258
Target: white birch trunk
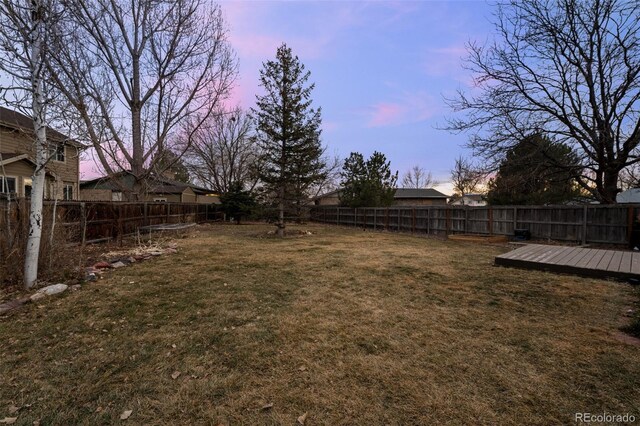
32 251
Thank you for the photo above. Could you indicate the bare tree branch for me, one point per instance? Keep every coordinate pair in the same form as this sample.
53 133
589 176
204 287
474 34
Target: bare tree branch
143 76
568 69
417 177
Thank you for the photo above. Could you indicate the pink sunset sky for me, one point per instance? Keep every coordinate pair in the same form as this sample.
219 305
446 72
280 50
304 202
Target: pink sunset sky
381 70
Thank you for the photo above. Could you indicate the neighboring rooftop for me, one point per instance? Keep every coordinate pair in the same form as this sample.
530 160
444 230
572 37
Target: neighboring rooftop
418 193
400 193
159 184
15 120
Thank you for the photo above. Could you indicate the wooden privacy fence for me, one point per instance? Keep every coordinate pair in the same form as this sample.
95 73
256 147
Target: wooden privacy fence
599 224
92 221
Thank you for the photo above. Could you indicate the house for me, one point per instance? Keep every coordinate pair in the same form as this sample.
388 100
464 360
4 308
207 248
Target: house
631 195
329 199
157 188
419 197
472 200
402 197
17 163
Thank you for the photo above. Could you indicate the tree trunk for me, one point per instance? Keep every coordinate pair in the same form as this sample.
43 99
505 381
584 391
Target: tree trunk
137 167
32 251
609 187
281 213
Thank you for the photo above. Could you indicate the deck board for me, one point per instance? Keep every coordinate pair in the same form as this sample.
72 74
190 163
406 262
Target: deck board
599 263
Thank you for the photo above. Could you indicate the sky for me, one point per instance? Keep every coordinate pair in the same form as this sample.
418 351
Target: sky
382 70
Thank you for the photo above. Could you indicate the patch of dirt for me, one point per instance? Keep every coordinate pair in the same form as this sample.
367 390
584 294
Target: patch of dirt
626 338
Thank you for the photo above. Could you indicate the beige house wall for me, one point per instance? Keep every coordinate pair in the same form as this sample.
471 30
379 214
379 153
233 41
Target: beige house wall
188 196
66 172
96 195
420 202
207 199
169 198
328 201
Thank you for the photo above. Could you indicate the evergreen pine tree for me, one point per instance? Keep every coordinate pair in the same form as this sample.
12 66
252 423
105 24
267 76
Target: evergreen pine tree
237 203
288 132
537 170
367 183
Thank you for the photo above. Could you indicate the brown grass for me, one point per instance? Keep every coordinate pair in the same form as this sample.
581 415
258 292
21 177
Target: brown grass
351 327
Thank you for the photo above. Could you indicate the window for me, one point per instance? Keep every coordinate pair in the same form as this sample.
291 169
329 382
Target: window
57 153
7 185
68 191
160 200
28 184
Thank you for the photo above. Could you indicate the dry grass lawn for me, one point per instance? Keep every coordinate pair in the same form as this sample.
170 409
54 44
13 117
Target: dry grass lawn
350 327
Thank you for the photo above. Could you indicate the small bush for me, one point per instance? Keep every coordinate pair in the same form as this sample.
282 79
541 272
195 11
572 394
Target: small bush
634 326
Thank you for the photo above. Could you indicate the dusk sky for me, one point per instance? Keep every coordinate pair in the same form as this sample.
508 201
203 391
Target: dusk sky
381 69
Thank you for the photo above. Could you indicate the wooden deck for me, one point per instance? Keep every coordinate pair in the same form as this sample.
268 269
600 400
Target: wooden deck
574 260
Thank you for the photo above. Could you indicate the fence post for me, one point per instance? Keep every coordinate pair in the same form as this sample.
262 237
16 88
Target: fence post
629 223
338 216
168 211
515 219
413 220
146 214
83 223
490 220
114 222
584 224
447 220
355 217
375 218
466 219
428 220
386 219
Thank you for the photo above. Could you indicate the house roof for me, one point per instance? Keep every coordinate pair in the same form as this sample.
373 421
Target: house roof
631 195
400 193
418 193
335 193
474 197
8 158
157 184
15 120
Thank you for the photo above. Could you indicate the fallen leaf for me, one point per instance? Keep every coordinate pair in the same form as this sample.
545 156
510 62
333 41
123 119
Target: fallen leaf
267 406
173 346
302 368
13 409
9 420
302 419
125 414
175 375
98 409
36 423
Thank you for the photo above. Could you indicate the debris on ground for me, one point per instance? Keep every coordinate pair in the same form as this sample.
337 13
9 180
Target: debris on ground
112 260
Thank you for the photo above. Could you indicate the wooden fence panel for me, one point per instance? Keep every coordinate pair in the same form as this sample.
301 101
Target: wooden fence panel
600 224
102 220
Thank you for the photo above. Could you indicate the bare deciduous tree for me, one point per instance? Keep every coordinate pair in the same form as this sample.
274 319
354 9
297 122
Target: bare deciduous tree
417 177
143 75
225 152
465 177
569 69
25 29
